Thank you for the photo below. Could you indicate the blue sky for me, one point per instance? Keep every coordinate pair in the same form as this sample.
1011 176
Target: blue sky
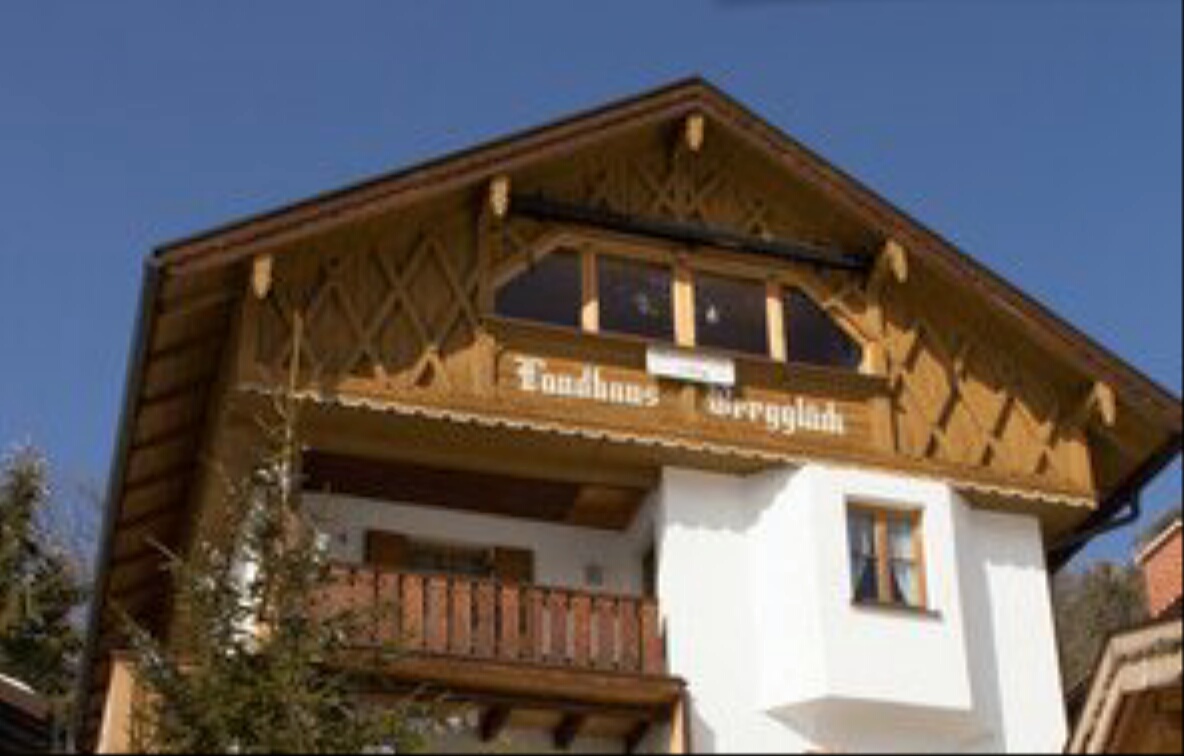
1044 137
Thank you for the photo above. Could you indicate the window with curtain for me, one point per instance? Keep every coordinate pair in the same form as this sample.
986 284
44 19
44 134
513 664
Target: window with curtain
887 557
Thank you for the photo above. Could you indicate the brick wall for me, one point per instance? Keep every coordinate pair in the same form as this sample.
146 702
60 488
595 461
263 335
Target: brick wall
1161 565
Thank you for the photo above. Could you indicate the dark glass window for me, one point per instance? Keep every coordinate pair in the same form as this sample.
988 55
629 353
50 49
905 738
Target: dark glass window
730 314
814 338
635 298
550 291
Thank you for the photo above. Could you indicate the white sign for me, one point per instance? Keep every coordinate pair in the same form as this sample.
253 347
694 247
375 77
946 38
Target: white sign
687 366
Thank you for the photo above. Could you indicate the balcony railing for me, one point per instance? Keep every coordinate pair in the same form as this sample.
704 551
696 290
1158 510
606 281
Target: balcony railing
491 620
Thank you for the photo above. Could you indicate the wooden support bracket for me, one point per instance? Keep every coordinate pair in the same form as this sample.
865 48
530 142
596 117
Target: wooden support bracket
891 264
568 729
1100 403
262 273
694 131
499 196
493 722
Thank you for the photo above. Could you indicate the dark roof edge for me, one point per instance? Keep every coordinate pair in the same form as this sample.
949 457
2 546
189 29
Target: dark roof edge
689 83
137 356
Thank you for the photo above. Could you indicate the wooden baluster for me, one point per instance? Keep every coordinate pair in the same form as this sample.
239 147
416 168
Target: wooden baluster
486 632
437 615
653 660
557 606
461 623
606 632
510 617
387 608
358 604
630 638
412 610
535 631
581 611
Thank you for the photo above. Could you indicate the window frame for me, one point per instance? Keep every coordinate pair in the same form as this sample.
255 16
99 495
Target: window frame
881 516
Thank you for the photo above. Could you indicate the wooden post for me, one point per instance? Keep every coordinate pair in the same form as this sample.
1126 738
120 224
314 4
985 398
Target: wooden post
115 735
590 310
684 305
775 314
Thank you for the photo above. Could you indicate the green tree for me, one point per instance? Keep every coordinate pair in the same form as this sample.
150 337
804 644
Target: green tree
250 667
40 588
1090 607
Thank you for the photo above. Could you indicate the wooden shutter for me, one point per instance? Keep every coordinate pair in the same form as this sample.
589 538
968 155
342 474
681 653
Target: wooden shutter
516 565
384 549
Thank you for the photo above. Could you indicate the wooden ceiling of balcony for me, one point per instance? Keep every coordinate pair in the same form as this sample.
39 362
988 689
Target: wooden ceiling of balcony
590 505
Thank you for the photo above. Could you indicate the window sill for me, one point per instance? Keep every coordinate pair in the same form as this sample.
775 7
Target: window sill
917 612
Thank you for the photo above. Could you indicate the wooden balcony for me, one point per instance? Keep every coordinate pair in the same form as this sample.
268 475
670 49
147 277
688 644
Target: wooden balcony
471 618
593 662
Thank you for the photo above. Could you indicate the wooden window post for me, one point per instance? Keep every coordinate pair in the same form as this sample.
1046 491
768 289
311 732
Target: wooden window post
775 315
590 309
684 305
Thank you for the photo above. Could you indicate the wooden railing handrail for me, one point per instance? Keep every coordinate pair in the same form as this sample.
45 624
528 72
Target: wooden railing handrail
495 581
503 620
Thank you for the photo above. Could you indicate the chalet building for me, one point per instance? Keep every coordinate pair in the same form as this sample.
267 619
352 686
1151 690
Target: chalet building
657 432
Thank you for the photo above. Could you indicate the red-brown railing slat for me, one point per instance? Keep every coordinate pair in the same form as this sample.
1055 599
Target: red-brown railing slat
630 637
606 632
412 611
581 612
485 634
468 617
535 629
509 617
387 594
437 615
557 611
652 661
461 622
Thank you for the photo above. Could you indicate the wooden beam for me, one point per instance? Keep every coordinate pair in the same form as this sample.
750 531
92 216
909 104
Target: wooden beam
493 722
568 730
892 264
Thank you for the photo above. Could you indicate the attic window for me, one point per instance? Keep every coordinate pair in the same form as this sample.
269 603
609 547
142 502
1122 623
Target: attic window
814 338
547 292
730 314
635 298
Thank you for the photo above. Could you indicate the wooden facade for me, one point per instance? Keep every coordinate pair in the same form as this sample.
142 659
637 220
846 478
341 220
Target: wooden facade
377 303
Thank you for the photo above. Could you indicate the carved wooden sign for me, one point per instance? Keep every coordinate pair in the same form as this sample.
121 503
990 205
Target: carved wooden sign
595 385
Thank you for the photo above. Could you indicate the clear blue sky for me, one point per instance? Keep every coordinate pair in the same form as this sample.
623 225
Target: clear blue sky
1042 136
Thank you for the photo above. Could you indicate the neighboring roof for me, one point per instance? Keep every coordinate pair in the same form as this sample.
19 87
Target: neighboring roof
188 298
1135 663
1158 537
24 718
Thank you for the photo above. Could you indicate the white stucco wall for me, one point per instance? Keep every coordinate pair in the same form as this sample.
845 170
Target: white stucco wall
562 554
755 591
